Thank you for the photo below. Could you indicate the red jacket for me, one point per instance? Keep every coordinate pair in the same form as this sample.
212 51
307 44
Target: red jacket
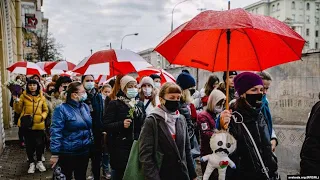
206 124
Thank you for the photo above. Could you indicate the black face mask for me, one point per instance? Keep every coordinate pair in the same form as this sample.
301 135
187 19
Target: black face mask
172 106
255 100
192 91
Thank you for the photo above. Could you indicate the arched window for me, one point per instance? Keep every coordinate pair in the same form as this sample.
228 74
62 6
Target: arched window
308 6
293 5
278 6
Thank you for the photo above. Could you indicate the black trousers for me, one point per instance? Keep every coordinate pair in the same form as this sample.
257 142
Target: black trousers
21 135
96 156
34 140
76 164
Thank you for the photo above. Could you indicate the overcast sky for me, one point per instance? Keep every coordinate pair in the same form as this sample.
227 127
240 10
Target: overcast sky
81 25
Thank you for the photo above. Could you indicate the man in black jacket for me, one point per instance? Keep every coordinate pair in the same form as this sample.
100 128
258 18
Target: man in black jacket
95 103
310 159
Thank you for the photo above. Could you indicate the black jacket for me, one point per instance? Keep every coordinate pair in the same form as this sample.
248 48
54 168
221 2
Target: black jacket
177 161
310 158
184 110
245 157
120 139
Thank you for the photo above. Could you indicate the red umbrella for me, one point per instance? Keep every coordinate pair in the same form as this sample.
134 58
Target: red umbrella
60 67
232 40
165 76
27 68
112 62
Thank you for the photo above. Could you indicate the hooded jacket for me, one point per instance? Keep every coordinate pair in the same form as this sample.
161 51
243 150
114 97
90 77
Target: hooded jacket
245 157
32 105
177 160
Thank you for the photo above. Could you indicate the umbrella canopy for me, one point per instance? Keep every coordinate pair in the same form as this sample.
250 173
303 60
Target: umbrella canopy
111 62
46 65
26 68
256 43
60 67
165 76
103 78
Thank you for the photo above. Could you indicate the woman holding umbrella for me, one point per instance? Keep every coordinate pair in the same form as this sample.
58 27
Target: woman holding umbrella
123 120
251 163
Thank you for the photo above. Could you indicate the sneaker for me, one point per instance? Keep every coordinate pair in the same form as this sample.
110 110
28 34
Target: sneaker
90 178
40 166
42 158
32 168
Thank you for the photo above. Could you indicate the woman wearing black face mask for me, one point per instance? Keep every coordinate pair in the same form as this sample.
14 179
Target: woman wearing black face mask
172 139
249 86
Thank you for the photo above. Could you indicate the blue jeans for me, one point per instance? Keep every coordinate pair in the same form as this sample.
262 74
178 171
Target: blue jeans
105 162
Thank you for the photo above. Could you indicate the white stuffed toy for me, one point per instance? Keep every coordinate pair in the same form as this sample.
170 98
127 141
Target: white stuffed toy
222 144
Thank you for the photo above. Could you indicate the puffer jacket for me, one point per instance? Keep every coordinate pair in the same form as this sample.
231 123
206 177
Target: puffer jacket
120 139
71 129
245 157
29 105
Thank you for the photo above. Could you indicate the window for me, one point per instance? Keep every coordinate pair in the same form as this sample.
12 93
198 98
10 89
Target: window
317 20
273 8
257 11
308 19
308 6
293 17
29 57
307 32
293 5
316 46
317 33
29 43
278 7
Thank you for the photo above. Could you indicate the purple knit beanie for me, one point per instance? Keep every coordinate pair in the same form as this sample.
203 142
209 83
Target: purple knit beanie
245 81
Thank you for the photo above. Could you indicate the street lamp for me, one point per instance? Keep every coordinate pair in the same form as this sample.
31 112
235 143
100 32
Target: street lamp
173 12
134 34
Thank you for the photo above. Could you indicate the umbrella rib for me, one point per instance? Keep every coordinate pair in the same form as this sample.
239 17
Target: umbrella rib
288 46
255 52
215 55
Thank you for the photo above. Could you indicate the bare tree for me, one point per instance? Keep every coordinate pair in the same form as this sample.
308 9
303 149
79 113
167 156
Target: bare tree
46 48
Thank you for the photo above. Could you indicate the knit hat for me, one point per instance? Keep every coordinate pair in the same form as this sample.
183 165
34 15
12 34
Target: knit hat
147 80
185 81
217 96
231 73
125 80
155 76
245 81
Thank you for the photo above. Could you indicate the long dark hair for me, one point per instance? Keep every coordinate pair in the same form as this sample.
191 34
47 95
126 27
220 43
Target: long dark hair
72 88
212 80
32 81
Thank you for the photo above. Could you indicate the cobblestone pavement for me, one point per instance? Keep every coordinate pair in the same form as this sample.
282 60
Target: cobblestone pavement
14 165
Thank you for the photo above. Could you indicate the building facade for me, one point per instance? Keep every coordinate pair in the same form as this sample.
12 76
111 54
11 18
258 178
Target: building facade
35 25
154 58
301 15
8 55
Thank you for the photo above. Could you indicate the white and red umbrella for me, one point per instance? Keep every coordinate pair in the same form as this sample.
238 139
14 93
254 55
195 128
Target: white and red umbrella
61 67
27 68
102 79
112 62
165 76
46 65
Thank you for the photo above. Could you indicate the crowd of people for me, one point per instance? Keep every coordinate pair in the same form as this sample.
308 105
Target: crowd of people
78 120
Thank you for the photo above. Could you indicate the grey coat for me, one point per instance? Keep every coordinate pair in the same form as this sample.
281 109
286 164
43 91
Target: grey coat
177 161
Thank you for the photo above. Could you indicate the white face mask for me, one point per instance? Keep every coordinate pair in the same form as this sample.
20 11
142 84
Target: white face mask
147 91
218 109
157 85
89 85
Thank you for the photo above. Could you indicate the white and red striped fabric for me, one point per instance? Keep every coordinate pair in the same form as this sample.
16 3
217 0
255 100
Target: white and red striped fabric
45 65
61 67
165 76
112 62
27 68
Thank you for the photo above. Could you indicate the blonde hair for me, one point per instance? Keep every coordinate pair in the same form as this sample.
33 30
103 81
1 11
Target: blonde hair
105 86
186 96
